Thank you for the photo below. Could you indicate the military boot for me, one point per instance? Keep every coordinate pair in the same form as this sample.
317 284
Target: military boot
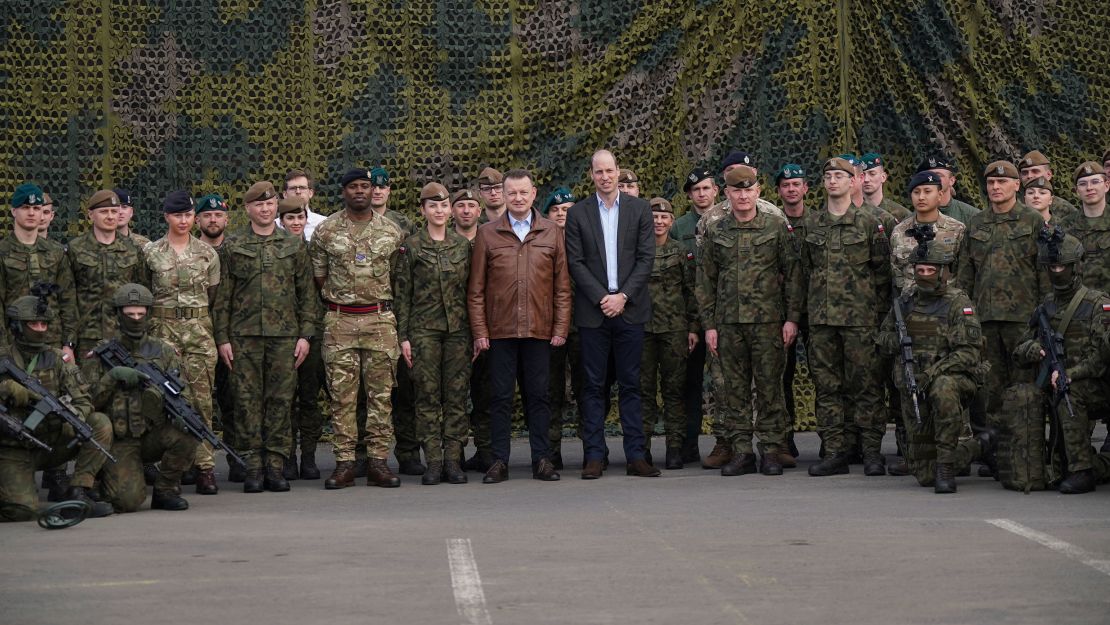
55 481
411 466
988 442
206 482
309 470
719 457
771 464
379 474
150 473
236 472
97 509
342 477
252 478
945 482
453 472
189 477
901 469
168 500
289 467
874 464
673 459
1078 483
273 478
832 464
361 466
433 474
740 464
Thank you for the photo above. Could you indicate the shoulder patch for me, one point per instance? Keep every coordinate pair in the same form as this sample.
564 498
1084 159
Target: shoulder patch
968 310
402 249
689 256
1106 308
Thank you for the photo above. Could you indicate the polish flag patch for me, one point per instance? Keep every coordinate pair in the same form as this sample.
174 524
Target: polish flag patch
1106 308
968 310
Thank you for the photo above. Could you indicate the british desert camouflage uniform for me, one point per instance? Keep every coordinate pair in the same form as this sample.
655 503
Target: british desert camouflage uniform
949 234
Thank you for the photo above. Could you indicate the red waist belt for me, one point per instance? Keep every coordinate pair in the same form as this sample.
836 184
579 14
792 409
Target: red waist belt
362 309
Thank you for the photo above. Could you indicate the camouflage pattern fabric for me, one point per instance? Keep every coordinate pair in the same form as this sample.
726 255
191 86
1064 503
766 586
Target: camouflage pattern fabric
45 261
750 354
998 265
1094 234
900 213
960 211
847 267
948 232
98 270
722 209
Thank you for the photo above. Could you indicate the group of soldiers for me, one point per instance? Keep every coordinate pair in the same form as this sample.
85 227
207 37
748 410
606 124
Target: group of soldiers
923 315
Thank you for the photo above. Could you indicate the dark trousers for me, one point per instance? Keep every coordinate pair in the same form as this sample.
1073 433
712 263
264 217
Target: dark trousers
693 391
625 341
533 357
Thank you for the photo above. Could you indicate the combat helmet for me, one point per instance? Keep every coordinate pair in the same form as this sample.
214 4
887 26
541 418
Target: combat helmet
132 294
1055 247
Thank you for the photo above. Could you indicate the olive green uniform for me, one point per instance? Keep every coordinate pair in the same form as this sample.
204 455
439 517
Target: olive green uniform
98 270
1094 234
44 261
960 211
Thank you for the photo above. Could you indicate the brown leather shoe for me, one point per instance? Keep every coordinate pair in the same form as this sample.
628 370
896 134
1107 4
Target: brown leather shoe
206 482
592 470
545 471
498 472
719 457
378 474
641 468
343 475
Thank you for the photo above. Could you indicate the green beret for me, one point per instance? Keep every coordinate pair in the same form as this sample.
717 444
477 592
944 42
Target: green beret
562 195
789 171
851 158
871 160
379 177
28 194
211 202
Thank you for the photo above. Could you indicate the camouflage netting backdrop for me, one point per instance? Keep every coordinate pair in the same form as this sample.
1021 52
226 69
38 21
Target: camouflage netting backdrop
212 95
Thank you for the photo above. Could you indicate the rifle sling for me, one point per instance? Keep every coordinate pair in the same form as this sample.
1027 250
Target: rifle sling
1069 312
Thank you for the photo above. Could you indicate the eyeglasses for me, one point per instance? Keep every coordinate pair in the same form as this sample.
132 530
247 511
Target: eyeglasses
1090 184
489 188
297 189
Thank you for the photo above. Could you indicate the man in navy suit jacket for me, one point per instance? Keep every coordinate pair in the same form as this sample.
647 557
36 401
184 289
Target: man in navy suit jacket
610 248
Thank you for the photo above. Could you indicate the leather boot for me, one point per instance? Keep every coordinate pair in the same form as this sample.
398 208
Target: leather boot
433 474
771 464
740 464
673 460
236 472
206 482
309 470
945 482
833 464
289 468
379 474
901 469
874 464
787 459
342 477
150 473
453 472
56 482
1078 483
362 466
719 457
168 500
411 466
252 480
97 509
189 477
274 477
647 456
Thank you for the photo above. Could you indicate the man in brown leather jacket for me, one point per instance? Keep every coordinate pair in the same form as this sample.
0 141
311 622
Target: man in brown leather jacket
519 301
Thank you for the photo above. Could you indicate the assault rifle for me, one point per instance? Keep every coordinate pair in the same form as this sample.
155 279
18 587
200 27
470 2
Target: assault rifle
49 404
1052 342
114 354
905 342
14 428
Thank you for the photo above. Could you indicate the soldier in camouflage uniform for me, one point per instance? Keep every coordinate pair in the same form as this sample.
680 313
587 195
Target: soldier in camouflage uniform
28 321
429 285
860 201
949 206
555 209
792 187
126 212
1091 224
947 342
669 336
48 214
998 271
750 294
264 320
142 432
351 253
874 177
628 182
1038 194
1081 314
948 233
845 256
1035 165
493 195
184 275
102 261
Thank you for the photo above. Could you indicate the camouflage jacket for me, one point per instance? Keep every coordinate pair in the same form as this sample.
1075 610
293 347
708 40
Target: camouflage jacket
61 378
133 411
671 286
721 209
960 211
749 273
429 284
683 230
947 337
265 288
847 268
98 270
901 213
181 280
1084 337
44 261
949 234
354 258
1061 209
885 219
1094 234
404 223
998 265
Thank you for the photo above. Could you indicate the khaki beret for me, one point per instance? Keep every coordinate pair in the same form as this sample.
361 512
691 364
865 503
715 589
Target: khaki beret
740 177
433 191
660 205
464 194
839 164
102 199
490 175
291 204
1090 168
1001 169
1032 159
259 191
627 175
1040 182
46 199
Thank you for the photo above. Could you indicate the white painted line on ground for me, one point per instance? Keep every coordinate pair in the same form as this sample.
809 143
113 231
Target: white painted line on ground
1055 544
470 600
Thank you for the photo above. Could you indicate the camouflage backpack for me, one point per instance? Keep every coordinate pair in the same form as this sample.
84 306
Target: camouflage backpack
1021 439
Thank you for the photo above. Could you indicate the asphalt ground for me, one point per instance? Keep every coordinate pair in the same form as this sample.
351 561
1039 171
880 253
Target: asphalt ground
690 547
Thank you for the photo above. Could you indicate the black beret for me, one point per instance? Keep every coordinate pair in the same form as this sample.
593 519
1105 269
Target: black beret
124 196
696 176
738 158
353 175
937 162
177 202
924 177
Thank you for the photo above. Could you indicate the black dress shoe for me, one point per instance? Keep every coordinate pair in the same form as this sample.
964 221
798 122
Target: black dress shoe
544 470
411 467
641 468
833 464
673 460
741 464
592 470
497 473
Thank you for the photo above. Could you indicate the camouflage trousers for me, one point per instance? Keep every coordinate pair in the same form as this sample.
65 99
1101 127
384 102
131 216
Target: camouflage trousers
122 483
844 364
306 419
943 422
441 375
750 354
479 403
360 349
663 373
18 466
1089 397
1000 338
193 340
263 380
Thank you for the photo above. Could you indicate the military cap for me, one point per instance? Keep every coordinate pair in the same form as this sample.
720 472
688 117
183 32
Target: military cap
28 194
562 195
923 177
789 171
1089 168
260 191
627 175
211 202
433 191
132 294
660 205
490 175
102 199
1032 159
737 158
871 160
741 177
1040 182
379 177
1055 247
353 175
1001 169
124 196
291 204
851 158
177 202
464 194
839 163
696 175
937 162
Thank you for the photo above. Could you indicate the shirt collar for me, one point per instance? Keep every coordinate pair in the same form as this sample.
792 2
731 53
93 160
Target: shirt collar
616 202
513 221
